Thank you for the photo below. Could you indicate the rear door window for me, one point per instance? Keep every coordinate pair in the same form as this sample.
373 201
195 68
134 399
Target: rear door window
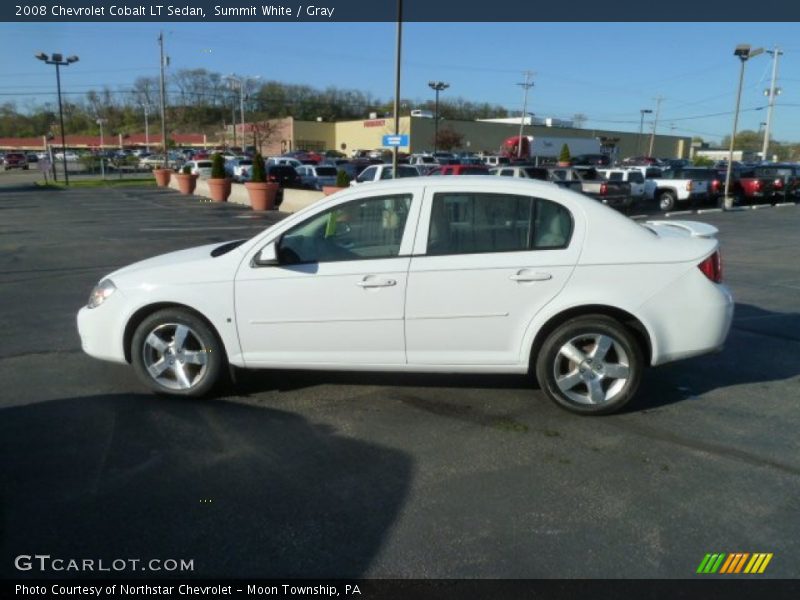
467 223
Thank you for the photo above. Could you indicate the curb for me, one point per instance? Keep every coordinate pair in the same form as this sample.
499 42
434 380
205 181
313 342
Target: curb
703 211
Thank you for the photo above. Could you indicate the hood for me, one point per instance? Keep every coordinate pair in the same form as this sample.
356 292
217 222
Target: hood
193 265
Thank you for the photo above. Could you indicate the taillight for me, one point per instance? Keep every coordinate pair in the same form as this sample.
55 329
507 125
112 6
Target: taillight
757 185
779 183
716 185
712 267
689 186
603 189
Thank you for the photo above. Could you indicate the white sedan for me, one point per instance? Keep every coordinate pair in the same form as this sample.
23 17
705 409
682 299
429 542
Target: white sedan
452 274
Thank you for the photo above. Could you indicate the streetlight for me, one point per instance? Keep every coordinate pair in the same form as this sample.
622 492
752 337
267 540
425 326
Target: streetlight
437 86
643 111
240 82
742 52
59 61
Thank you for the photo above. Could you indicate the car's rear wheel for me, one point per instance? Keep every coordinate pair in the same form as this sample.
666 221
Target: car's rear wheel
666 200
590 365
175 352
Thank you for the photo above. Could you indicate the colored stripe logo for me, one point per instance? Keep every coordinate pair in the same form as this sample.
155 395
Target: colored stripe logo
734 563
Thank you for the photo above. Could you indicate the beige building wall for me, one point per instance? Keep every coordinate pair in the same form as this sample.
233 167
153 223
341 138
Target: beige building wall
367 134
313 135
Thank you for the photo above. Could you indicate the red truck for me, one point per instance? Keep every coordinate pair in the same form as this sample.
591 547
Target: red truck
786 179
747 187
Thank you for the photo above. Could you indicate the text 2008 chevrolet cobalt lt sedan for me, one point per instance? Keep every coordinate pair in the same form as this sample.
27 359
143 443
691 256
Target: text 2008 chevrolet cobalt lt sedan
457 274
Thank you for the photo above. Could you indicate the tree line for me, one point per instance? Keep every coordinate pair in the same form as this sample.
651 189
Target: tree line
202 101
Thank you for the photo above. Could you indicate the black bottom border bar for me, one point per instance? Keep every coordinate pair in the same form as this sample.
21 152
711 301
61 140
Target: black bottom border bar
706 588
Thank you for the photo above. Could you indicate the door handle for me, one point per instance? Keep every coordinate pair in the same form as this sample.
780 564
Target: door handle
368 282
526 275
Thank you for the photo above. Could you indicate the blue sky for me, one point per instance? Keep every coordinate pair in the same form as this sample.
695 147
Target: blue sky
607 71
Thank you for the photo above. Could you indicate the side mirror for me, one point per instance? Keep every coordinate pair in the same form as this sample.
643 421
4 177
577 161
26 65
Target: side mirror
268 255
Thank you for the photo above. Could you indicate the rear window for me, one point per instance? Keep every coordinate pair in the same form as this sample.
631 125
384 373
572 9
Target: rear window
204 164
245 163
635 177
615 176
326 171
535 173
473 171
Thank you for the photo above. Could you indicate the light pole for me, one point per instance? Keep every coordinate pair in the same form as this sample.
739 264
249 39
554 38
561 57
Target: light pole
643 112
770 93
437 86
59 61
742 52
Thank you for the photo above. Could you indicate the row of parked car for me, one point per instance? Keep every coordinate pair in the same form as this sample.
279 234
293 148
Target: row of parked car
664 188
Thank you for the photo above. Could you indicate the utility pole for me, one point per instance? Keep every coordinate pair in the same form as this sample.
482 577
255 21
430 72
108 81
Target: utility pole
233 120
146 128
642 112
655 124
526 86
398 48
771 92
163 102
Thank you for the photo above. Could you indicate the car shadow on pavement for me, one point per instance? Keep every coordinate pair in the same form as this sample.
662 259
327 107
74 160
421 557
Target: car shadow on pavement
762 347
262 380
242 491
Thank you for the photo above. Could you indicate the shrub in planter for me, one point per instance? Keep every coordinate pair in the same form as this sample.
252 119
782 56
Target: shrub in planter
186 181
219 186
563 158
262 193
342 182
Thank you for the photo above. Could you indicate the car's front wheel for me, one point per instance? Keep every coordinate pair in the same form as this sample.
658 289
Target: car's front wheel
175 352
590 365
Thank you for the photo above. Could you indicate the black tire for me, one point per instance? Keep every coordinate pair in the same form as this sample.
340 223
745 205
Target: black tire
201 344
585 334
666 200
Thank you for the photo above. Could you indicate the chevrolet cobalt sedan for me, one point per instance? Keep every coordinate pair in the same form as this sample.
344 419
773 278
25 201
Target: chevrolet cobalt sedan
451 274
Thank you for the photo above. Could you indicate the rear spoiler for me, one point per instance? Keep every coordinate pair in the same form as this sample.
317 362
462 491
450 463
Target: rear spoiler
693 228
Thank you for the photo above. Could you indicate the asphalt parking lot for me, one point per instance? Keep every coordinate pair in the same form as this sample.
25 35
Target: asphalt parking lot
382 475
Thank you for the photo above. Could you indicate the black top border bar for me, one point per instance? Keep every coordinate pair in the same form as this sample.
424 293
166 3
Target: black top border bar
218 11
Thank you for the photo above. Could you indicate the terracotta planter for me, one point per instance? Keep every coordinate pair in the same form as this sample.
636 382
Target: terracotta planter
162 176
186 183
331 189
219 189
262 194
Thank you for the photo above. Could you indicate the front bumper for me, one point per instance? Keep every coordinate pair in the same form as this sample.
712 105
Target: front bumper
101 335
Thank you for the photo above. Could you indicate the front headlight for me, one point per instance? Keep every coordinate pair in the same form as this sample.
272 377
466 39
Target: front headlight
100 292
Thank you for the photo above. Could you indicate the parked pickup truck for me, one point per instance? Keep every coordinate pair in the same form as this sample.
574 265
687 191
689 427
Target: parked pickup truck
540 173
617 194
748 187
671 188
634 178
786 179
